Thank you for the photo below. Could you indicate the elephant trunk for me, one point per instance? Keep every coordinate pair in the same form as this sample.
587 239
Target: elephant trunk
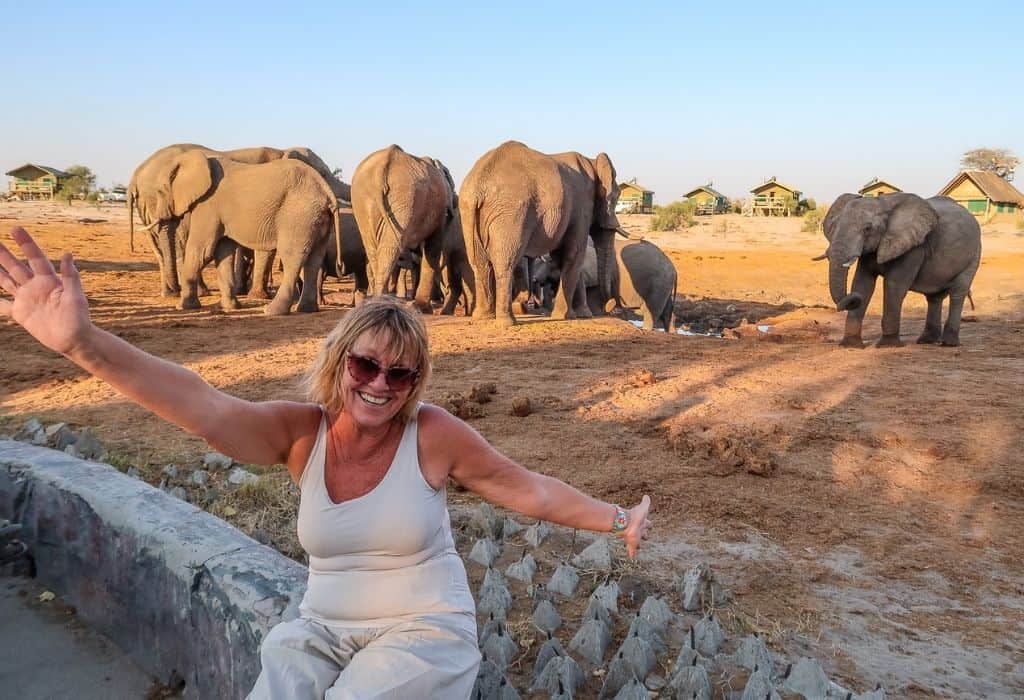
837 276
604 246
131 220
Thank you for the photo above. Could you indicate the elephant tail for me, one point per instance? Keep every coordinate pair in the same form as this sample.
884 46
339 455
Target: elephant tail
336 211
671 327
970 299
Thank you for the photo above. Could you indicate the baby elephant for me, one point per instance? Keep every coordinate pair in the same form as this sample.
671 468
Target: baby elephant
643 278
931 246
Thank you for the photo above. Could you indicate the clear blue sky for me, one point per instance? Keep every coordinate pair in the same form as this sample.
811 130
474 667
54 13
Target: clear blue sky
676 93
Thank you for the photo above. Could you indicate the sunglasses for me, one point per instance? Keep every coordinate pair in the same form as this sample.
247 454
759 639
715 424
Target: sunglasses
365 369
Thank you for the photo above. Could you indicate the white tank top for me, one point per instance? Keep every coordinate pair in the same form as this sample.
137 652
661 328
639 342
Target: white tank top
386 555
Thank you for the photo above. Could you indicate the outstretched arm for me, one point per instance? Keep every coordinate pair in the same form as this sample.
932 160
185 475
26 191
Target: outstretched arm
478 466
54 310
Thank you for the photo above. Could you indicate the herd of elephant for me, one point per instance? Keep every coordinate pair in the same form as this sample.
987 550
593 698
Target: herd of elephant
522 223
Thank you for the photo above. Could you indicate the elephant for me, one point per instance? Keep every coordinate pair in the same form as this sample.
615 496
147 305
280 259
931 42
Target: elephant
405 202
166 234
282 205
351 261
518 202
643 277
931 246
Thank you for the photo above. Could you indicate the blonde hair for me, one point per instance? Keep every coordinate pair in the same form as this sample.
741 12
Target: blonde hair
402 334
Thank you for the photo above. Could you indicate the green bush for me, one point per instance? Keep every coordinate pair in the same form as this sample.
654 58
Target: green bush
808 204
812 221
673 216
736 205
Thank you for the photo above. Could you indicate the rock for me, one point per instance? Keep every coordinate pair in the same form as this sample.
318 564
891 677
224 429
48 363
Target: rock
699 588
215 460
655 682
491 684
89 447
510 527
73 451
199 478
707 636
484 552
752 653
29 430
239 476
759 687
546 618
537 533
598 555
179 493
549 650
657 613
481 393
591 641
262 536
169 472
807 678
634 690
59 435
39 438
559 675
521 406
523 570
485 523
876 694
691 682
607 594
133 473
564 580
499 648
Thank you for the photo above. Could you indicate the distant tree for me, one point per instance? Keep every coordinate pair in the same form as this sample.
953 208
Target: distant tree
673 217
79 183
336 173
1000 161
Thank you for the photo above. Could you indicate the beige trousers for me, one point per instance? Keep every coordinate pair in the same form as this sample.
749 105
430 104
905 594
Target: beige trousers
434 656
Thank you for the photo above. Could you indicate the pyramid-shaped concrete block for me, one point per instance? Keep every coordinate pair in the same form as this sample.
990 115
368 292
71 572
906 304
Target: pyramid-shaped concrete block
619 673
591 641
596 611
491 684
607 594
807 678
691 682
753 653
707 636
548 650
656 611
560 675
523 570
759 687
484 552
639 654
642 628
546 618
564 581
537 533
597 556
510 527
634 690
499 648
485 522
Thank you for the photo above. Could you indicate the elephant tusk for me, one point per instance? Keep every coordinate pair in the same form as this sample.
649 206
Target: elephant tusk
151 226
623 232
851 261
823 256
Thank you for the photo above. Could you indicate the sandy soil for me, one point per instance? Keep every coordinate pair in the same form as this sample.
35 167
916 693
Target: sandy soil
866 507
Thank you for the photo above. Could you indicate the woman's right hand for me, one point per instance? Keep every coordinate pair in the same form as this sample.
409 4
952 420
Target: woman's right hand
51 307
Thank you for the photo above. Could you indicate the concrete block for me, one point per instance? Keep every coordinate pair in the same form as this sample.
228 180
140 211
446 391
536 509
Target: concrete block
598 555
607 594
564 581
546 618
807 678
523 570
484 552
591 641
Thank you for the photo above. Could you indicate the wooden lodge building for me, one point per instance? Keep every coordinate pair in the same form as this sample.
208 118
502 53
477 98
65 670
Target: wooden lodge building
875 187
32 181
773 198
986 195
640 199
707 200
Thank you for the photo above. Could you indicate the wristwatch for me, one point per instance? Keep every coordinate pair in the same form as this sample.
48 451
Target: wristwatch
621 520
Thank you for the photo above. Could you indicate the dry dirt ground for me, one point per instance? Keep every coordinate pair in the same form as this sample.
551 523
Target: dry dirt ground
865 507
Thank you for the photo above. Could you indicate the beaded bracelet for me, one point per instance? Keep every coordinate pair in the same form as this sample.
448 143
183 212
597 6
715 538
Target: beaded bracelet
621 520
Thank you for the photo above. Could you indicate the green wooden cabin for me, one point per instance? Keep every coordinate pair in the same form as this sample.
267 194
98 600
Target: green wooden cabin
773 198
707 200
635 198
875 187
32 181
986 195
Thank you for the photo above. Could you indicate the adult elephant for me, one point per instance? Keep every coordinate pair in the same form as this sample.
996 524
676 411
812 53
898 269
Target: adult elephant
283 205
519 202
643 278
930 246
166 234
404 202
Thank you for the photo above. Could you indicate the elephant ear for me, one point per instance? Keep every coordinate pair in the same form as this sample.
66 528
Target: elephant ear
910 221
834 211
605 192
189 179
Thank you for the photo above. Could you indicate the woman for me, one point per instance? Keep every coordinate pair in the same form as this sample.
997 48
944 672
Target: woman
387 612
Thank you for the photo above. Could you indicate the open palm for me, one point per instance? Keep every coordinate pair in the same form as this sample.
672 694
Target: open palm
51 307
638 525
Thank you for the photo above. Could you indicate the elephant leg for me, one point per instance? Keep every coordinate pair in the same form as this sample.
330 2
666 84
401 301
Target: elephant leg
225 254
570 304
894 290
311 267
933 321
281 304
195 258
163 247
863 284
959 290
483 279
430 270
262 272
503 281
645 309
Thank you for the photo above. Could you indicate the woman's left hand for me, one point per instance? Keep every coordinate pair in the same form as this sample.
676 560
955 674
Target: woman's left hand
638 525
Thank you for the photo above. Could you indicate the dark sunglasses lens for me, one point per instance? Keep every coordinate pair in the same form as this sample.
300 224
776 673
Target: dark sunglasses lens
363 369
400 378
